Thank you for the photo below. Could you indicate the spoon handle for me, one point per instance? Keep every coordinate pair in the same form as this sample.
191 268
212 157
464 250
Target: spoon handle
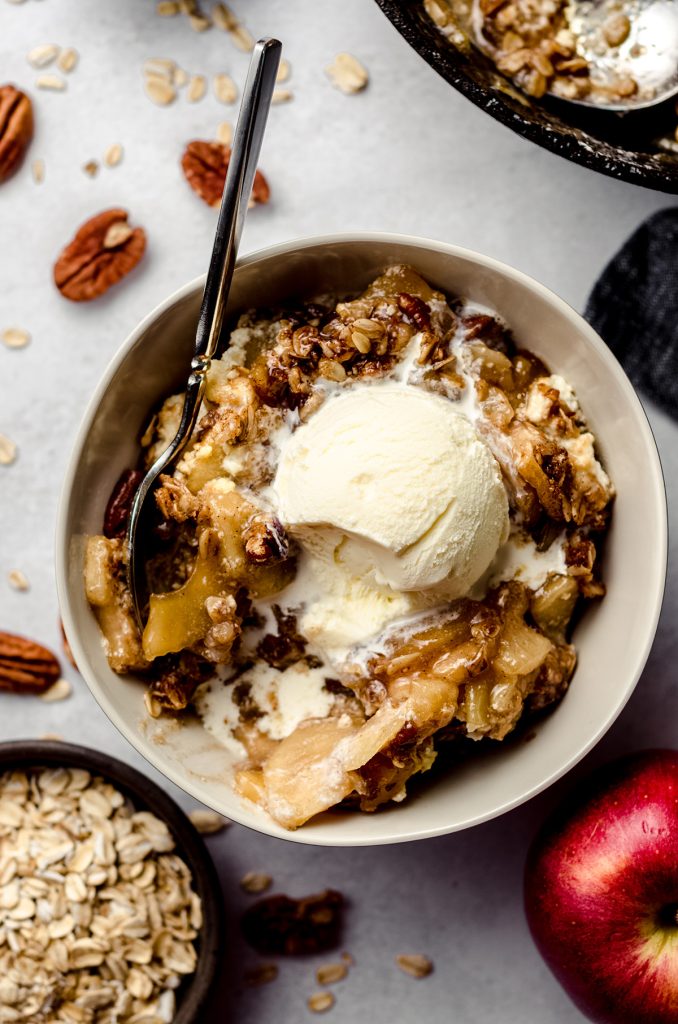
249 133
248 136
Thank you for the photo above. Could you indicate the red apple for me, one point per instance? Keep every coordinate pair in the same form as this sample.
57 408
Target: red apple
601 892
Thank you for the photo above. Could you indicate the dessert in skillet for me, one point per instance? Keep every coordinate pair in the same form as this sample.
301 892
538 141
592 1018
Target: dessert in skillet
372 548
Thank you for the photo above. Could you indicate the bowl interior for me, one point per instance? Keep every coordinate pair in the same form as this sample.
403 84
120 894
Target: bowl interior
613 639
622 146
145 795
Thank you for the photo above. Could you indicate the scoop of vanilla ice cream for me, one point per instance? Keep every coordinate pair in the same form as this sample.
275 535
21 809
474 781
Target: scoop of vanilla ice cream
391 483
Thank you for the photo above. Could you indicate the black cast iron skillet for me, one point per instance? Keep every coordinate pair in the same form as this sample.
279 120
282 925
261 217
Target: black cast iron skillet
622 146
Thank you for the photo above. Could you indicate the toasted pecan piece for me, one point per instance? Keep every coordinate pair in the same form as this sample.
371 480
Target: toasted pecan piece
99 256
205 165
26 666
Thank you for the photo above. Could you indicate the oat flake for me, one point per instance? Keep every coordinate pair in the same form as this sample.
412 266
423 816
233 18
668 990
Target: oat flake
68 59
160 91
225 89
117 233
8 451
281 96
197 88
160 67
18 580
225 133
208 822
113 155
52 82
15 337
415 964
328 974
61 690
347 73
320 1002
41 56
255 882
38 171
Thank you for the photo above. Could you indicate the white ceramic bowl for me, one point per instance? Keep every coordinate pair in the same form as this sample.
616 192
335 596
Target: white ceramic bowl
613 640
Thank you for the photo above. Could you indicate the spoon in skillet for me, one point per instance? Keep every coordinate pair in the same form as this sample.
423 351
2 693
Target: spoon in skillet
248 136
646 56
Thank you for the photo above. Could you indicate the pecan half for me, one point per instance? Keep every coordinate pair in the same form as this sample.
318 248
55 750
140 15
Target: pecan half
119 504
265 539
16 128
205 165
90 264
25 666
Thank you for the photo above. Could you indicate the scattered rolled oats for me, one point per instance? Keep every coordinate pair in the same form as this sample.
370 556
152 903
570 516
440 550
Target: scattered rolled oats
415 964
181 77
61 690
225 133
261 974
15 337
281 96
225 88
110 940
255 882
347 73
160 67
225 19
197 88
167 8
91 168
160 90
53 82
328 974
208 822
18 580
284 71
8 451
68 59
117 233
113 155
41 56
38 171
199 23
320 1002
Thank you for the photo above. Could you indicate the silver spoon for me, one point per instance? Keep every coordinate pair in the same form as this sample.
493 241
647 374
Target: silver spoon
248 136
648 55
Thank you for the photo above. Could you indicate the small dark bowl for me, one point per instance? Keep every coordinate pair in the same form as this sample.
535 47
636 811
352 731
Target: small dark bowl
145 795
622 146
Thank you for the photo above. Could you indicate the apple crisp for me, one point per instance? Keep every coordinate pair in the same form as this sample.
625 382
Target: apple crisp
331 680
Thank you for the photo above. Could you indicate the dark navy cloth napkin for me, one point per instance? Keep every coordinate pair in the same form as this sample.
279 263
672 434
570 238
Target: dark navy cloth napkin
634 308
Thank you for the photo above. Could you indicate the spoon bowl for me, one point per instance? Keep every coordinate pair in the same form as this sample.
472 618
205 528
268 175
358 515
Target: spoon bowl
645 59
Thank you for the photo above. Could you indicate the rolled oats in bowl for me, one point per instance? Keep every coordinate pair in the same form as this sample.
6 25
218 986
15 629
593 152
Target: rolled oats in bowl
101 917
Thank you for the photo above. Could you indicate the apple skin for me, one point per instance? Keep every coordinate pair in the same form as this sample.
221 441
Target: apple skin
601 892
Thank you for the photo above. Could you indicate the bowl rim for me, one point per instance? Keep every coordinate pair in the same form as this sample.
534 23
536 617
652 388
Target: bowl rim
146 794
396 835
572 147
